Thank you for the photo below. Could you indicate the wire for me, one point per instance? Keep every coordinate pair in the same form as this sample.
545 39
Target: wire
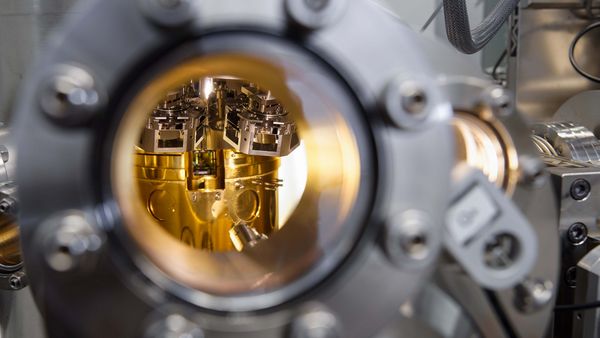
498 63
577 307
574 63
433 15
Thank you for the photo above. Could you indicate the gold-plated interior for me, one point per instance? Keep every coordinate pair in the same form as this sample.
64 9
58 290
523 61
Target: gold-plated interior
10 245
484 143
200 210
214 217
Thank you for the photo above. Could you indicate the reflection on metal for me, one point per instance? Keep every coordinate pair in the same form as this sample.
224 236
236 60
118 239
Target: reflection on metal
10 246
539 70
232 187
481 146
567 139
204 193
591 261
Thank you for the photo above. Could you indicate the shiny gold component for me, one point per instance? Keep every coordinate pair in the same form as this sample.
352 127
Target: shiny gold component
242 189
483 143
316 210
10 245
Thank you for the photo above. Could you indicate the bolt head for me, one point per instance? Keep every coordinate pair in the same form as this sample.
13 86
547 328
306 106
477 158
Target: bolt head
500 99
72 244
532 171
174 326
533 294
406 103
571 277
315 14
501 251
17 280
580 189
169 14
315 322
7 206
69 95
4 154
577 233
409 240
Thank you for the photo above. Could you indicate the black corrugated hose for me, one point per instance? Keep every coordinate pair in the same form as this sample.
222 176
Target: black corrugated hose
459 30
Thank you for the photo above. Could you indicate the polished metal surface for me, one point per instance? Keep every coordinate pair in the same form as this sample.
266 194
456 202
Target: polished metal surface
539 71
569 140
168 203
349 200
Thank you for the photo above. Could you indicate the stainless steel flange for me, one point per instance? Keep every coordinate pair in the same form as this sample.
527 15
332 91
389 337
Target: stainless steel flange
403 172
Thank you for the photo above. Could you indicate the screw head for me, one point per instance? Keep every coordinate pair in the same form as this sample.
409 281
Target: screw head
571 277
170 14
73 243
69 95
580 189
533 294
500 99
17 280
577 233
406 103
532 170
409 240
315 14
8 206
502 251
4 154
174 326
315 322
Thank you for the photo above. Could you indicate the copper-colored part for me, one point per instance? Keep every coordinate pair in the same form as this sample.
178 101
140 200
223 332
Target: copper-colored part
203 215
484 143
10 244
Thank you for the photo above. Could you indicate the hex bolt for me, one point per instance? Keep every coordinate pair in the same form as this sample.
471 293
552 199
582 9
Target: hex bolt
174 326
533 294
4 154
169 14
532 170
580 189
501 251
69 95
414 99
17 280
500 99
315 14
8 206
577 233
73 243
571 277
406 103
409 240
315 322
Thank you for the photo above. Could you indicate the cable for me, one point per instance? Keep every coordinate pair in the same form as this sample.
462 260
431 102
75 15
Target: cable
459 30
435 13
574 63
498 63
577 307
